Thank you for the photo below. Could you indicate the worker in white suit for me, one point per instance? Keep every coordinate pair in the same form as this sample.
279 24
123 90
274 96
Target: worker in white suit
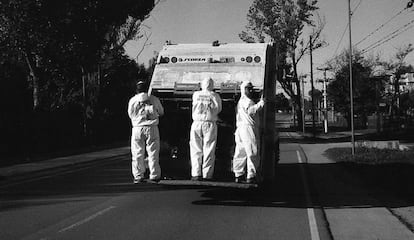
246 156
144 111
206 106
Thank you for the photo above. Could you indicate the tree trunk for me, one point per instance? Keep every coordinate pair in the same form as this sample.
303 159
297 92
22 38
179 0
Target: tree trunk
84 75
348 121
35 81
298 103
298 109
297 98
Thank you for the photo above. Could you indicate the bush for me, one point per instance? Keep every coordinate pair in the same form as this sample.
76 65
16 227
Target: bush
373 156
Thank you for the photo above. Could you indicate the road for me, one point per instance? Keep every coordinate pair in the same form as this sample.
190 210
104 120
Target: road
101 203
285 120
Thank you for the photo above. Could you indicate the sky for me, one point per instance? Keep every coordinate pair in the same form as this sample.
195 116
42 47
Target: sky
203 21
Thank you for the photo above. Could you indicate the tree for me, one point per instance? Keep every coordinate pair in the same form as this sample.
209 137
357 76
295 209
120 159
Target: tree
23 34
282 103
50 48
317 95
284 21
365 91
62 41
398 67
407 103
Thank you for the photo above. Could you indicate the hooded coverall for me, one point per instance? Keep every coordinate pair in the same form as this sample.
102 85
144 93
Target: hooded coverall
144 111
247 135
206 106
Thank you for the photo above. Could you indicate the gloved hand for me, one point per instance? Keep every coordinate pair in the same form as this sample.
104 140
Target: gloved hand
151 113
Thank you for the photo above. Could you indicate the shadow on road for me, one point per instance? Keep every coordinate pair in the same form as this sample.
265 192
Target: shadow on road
341 185
101 181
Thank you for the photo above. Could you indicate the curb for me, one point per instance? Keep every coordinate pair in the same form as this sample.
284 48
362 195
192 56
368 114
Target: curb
371 222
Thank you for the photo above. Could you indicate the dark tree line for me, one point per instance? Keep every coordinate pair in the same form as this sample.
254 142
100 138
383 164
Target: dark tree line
65 79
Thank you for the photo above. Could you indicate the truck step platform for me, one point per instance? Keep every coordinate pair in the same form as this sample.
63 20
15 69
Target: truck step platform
208 184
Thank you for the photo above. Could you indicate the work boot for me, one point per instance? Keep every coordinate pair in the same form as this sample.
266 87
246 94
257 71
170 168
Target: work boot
154 180
138 180
251 180
196 178
238 179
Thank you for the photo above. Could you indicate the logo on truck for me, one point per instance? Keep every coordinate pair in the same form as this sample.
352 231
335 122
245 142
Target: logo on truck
192 59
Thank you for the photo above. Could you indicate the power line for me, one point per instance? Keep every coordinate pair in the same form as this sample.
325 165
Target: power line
353 11
390 34
372 46
381 26
346 27
337 46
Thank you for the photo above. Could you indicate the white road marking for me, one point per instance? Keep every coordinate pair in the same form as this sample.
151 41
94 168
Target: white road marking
86 219
311 214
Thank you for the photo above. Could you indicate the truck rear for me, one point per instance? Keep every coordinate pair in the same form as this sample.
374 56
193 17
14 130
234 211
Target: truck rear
179 70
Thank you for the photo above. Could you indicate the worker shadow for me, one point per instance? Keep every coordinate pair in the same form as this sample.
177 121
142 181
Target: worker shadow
336 185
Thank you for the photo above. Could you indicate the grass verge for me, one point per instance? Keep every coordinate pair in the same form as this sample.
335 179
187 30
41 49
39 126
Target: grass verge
371 156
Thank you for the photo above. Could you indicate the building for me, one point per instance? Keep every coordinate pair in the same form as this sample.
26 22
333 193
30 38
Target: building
407 82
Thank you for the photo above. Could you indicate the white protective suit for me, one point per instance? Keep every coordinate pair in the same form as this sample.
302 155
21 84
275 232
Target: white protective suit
144 111
247 135
203 134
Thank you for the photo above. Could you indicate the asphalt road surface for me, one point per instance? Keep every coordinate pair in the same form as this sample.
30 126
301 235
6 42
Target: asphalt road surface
101 202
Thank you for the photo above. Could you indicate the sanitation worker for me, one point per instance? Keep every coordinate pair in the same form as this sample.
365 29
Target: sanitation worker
206 106
247 139
144 110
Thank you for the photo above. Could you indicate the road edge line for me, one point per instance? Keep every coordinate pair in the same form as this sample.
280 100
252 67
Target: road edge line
311 214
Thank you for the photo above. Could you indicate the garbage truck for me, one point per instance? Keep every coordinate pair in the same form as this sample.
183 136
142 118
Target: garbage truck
178 73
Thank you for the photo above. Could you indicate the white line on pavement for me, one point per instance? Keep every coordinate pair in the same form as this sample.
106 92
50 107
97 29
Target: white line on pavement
311 214
86 219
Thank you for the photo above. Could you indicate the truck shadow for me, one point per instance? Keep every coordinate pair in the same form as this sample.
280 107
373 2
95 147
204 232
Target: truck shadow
339 185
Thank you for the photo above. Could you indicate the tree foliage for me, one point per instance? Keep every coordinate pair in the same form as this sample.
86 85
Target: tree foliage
66 61
317 95
284 22
397 66
59 42
282 103
366 89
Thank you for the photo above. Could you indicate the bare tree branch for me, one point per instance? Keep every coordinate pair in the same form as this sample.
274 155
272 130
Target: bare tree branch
147 37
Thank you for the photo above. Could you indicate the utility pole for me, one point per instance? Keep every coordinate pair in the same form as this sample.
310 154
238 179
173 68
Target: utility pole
303 103
325 106
325 101
350 80
312 87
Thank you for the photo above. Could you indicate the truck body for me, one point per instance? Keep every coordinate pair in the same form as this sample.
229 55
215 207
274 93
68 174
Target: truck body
178 72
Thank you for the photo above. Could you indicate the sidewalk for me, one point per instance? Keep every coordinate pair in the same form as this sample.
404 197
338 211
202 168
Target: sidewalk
355 222
326 136
61 162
